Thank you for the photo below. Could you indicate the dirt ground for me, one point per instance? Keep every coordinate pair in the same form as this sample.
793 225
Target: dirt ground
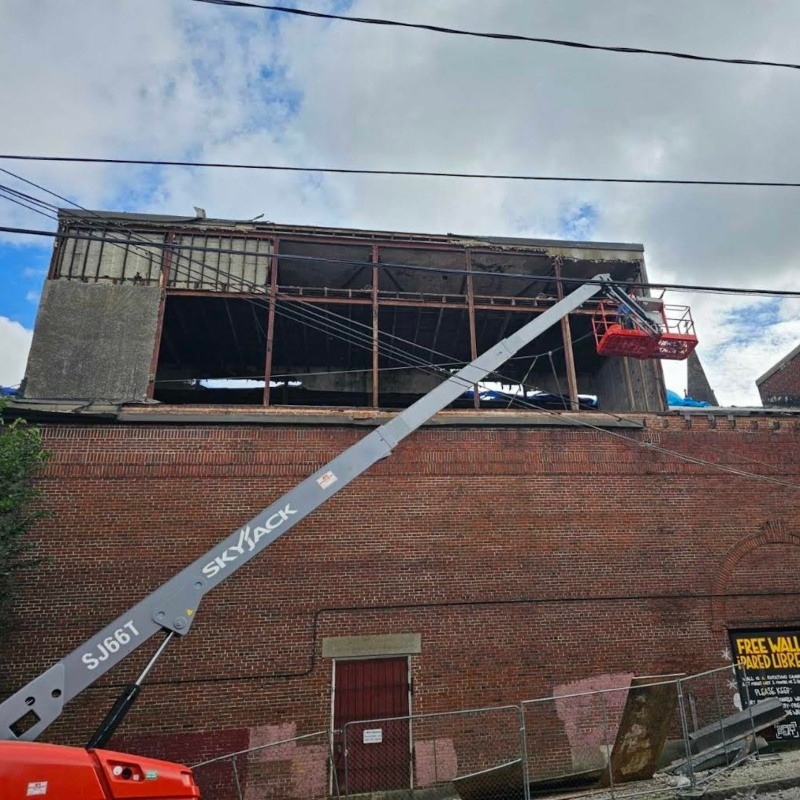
761 778
770 777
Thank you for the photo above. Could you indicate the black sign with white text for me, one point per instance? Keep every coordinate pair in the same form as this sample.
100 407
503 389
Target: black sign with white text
770 661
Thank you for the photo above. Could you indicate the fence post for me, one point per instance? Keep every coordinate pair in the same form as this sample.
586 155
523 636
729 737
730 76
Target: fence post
435 754
607 745
346 760
685 730
743 682
236 778
720 715
523 743
333 780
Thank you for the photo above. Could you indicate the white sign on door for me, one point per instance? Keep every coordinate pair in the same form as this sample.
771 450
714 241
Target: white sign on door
373 736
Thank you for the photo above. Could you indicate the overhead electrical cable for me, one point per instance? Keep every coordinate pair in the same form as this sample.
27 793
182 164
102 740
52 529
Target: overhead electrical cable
178 248
320 319
407 173
347 329
508 37
293 310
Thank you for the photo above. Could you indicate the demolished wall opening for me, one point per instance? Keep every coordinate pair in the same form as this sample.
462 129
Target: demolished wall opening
212 350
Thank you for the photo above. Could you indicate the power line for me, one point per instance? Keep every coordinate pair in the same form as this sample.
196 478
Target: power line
509 37
317 318
677 287
401 172
347 329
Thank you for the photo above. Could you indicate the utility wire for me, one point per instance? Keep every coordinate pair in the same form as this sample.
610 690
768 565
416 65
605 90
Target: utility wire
348 330
677 287
508 37
400 172
294 312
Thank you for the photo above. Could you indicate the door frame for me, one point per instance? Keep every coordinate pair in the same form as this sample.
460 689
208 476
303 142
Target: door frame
410 712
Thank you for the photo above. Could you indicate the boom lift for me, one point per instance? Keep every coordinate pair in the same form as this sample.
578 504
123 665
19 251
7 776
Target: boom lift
93 773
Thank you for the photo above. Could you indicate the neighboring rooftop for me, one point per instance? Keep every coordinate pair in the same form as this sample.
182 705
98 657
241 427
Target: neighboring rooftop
780 384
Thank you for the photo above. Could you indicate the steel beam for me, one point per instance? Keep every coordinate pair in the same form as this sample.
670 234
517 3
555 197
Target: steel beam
166 261
569 355
375 372
273 294
473 342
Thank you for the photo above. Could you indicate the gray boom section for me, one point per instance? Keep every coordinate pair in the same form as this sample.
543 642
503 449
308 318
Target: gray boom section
172 606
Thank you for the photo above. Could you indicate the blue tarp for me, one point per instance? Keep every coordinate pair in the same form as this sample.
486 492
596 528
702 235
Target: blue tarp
8 391
674 399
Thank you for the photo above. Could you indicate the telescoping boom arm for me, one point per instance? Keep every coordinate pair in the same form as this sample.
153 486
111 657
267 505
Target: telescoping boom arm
171 608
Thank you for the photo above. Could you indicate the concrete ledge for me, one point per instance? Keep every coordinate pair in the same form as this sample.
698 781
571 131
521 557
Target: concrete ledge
392 644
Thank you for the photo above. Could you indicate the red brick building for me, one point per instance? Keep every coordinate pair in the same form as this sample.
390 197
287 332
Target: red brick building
498 555
780 384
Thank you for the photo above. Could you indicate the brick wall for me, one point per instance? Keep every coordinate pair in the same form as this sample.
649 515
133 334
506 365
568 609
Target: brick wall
782 387
527 558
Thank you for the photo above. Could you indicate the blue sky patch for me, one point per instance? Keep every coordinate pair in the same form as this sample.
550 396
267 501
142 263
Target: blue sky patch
24 270
578 222
758 315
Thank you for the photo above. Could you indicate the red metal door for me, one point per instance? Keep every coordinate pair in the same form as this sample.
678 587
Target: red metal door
377 753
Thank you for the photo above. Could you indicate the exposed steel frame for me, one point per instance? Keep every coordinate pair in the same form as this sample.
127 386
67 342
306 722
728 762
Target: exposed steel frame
499 303
373 297
166 263
375 253
473 339
273 297
569 354
514 251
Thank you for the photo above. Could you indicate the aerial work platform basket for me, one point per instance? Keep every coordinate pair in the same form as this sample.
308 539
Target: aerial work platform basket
668 333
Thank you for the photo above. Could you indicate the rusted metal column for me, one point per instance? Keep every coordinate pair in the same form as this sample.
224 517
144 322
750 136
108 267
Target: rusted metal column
375 373
273 295
473 342
58 252
163 282
566 333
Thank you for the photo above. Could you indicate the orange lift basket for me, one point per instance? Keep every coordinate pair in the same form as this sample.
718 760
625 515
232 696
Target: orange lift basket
617 332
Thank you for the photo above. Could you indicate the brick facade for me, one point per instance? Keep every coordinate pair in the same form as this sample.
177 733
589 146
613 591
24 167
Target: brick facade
527 558
780 385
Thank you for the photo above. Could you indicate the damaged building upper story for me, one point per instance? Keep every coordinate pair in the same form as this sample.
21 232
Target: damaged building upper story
143 308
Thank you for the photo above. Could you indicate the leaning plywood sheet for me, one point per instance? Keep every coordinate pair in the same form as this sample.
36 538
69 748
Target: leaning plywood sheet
648 713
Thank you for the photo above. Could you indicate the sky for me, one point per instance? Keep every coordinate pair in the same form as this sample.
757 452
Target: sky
174 79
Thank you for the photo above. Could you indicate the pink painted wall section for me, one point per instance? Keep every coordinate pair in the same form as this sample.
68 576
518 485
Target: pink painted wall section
591 720
216 780
292 769
435 760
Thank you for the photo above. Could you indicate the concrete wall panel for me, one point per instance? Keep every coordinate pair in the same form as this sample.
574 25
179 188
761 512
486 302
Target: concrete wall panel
93 341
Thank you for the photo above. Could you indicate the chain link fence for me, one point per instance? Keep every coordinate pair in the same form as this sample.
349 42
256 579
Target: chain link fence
719 724
290 769
470 753
570 737
653 737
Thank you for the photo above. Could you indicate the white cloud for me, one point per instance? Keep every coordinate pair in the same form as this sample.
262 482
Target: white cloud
15 342
171 79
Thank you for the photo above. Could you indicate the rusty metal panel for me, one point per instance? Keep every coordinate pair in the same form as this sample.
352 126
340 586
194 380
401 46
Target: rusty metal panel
649 711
